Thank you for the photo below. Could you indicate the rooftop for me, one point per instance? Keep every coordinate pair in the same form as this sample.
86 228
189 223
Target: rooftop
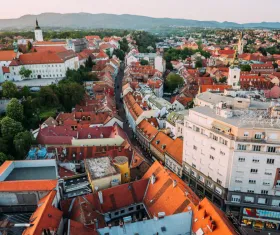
100 167
31 173
173 224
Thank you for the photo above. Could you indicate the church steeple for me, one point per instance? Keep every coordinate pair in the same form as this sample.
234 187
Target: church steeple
37 25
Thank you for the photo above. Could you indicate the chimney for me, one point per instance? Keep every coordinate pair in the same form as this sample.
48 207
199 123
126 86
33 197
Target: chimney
174 183
100 196
161 215
153 179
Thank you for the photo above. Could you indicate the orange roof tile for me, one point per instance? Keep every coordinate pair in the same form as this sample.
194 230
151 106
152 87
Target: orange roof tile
147 129
175 150
46 216
202 220
163 196
4 166
221 87
7 55
164 140
27 185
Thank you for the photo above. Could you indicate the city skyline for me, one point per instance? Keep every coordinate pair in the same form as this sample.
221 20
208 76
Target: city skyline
238 11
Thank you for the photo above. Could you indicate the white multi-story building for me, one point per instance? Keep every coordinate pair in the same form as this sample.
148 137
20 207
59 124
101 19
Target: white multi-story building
44 64
232 156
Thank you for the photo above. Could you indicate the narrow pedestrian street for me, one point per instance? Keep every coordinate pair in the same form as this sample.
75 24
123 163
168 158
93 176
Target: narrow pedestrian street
121 113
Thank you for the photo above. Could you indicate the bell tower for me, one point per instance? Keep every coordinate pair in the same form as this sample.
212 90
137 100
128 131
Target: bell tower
234 73
38 33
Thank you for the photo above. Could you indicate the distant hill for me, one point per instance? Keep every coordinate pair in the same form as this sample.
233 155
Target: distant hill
91 21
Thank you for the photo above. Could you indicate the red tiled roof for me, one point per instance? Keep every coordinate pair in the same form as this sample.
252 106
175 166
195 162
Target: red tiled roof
202 219
27 185
162 196
49 48
113 198
164 140
45 217
7 55
226 52
175 150
215 87
147 129
44 57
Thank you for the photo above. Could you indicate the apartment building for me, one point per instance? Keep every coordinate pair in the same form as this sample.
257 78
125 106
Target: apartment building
232 156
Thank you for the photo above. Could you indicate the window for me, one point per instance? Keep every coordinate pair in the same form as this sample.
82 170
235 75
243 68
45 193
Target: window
116 213
138 207
266 182
222 153
235 198
194 147
271 149
241 147
250 191
219 181
122 211
254 171
241 159
131 208
264 192
258 136
252 181
270 161
214 137
212 148
255 160
193 165
246 134
249 199
223 141
256 148
211 157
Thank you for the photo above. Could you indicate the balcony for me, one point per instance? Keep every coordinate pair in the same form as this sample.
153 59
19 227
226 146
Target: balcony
253 140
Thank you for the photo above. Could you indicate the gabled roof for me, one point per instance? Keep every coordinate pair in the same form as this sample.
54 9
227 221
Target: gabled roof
44 57
202 219
175 150
7 55
45 217
220 87
147 129
161 142
163 196
114 199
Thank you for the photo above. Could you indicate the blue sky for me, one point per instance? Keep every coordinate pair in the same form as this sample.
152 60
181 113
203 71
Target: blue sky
241 11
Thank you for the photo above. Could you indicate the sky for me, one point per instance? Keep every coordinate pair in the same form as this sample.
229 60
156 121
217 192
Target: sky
240 11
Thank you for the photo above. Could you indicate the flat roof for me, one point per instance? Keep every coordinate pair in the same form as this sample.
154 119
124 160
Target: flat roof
174 224
237 120
100 167
32 173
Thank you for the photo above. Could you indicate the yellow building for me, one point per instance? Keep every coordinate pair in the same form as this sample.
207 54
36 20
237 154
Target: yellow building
121 162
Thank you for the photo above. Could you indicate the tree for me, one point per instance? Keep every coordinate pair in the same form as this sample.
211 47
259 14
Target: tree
9 128
4 148
169 66
198 63
25 92
3 158
245 67
223 80
29 46
22 143
9 89
119 53
174 81
15 110
124 45
144 62
48 97
89 63
25 72
108 52
70 94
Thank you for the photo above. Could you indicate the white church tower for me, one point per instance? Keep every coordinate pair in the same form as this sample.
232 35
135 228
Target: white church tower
38 33
234 74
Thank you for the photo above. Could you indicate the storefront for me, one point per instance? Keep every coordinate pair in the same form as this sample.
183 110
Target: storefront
261 219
